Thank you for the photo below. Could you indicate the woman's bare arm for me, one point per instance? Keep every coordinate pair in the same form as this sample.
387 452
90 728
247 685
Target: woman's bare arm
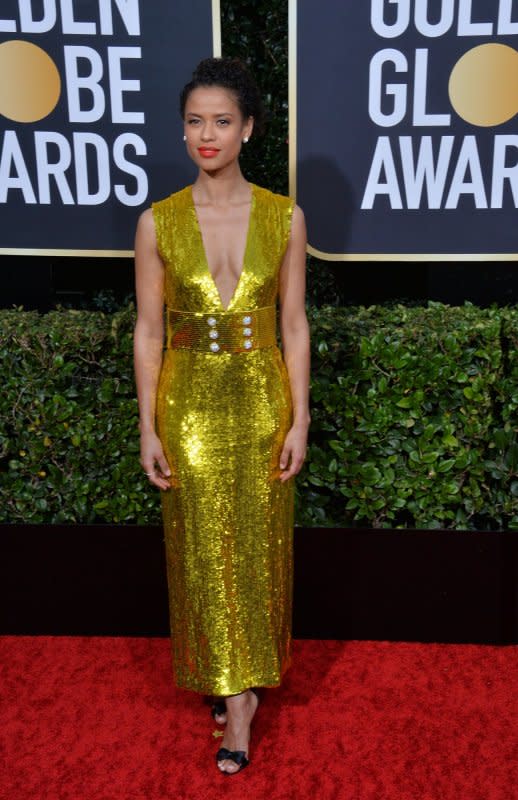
295 343
148 346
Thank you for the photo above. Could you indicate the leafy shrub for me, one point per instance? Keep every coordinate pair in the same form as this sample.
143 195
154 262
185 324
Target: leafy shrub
406 418
68 430
414 419
503 445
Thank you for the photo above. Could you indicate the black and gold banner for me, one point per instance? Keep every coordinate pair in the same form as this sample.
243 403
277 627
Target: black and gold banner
404 127
90 129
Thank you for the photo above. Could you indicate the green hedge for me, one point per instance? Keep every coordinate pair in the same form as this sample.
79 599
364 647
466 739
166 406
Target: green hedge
414 419
68 435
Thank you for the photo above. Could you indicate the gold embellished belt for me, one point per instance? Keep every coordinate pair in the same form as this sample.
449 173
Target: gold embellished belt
221 331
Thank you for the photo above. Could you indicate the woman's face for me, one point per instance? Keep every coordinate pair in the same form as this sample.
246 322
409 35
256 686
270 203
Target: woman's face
214 127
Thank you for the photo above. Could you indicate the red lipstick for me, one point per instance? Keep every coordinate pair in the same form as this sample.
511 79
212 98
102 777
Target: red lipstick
208 152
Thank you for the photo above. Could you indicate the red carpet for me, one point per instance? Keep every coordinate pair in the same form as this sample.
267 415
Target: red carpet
98 719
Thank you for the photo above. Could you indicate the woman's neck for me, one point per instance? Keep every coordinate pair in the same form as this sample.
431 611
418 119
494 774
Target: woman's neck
221 188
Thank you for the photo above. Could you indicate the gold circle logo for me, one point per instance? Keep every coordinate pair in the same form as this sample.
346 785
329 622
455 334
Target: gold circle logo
30 84
483 85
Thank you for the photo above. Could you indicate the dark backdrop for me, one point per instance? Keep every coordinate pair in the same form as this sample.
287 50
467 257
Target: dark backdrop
42 283
258 33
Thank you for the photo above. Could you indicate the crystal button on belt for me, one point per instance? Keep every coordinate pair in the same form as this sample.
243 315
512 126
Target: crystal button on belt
221 332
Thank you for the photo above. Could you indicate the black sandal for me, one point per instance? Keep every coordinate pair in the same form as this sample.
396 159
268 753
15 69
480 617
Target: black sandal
239 757
218 708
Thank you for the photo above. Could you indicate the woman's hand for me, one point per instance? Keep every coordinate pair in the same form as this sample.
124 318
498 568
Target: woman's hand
153 460
294 451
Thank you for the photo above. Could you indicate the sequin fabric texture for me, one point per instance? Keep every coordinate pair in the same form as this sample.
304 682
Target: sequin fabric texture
223 411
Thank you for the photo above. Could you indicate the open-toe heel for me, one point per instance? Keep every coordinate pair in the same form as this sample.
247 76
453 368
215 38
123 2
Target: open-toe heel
218 708
239 757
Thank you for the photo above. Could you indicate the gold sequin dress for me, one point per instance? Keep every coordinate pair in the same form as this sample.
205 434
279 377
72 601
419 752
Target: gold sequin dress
223 411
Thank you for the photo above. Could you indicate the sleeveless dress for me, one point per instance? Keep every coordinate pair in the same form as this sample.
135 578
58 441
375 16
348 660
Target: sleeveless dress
223 411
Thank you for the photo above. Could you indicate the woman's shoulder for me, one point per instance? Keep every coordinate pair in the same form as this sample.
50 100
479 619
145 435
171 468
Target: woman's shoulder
177 199
269 198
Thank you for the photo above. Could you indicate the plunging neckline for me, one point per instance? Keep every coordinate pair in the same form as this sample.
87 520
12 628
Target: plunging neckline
244 260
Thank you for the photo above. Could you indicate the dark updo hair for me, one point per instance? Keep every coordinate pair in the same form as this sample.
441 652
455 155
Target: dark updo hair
232 74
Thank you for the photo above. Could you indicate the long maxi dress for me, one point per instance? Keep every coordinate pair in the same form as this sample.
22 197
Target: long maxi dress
223 411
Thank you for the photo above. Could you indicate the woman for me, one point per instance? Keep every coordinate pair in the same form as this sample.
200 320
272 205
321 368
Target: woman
231 413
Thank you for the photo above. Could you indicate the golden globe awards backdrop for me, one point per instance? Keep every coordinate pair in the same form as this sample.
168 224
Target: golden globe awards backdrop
404 127
90 129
